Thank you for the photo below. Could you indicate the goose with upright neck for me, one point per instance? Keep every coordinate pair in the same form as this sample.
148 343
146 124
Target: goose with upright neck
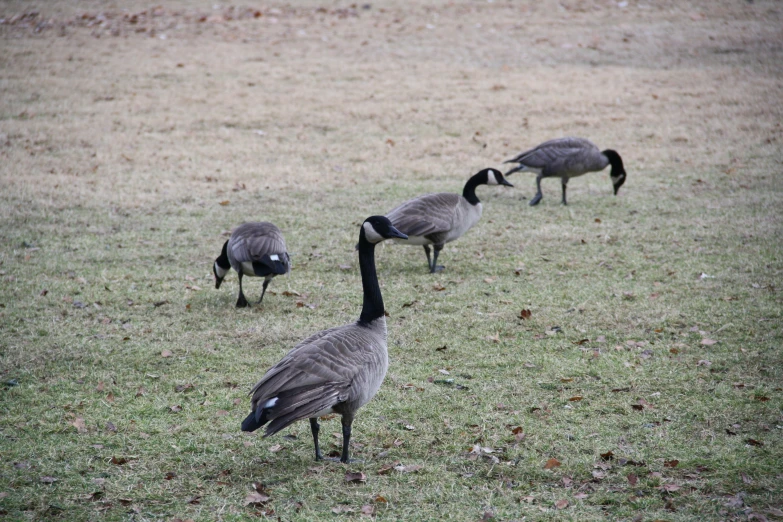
437 219
567 158
336 370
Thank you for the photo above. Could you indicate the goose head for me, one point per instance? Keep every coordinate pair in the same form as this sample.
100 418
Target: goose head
377 228
618 170
494 177
221 266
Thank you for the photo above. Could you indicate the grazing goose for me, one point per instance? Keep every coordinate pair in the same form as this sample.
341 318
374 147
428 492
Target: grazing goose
254 249
567 158
336 370
437 219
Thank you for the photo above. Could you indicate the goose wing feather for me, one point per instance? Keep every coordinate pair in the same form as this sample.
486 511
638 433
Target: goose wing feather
337 365
252 241
425 215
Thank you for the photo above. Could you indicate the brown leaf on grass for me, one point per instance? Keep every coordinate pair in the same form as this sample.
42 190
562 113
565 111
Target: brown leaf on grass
254 498
552 463
379 499
221 413
408 469
388 468
169 475
746 479
119 461
670 463
754 442
598 475
525 314
575 398
632 479
79 424
581 341
141 391
166 353
225 202
157 304
183 388
669 488
342 509
561 504
637 407
275 448
176 408
704 362
44 292
368 510
760 398
291 293
438 287
607 456
442 348
580 496
355 476
708 342
406 305
674 351
111 427
110 397
597 220
100 387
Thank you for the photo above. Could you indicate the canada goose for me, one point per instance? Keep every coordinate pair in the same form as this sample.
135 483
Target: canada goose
567 158
336 370
437 219
254 249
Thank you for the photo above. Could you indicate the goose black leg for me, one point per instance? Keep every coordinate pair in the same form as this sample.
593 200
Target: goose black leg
241 301
429 261
435 266
266 283
315 428
347 420
564 182
538 195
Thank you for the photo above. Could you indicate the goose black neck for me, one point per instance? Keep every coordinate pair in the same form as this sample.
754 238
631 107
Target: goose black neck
222 261
615 161
469 192
372 308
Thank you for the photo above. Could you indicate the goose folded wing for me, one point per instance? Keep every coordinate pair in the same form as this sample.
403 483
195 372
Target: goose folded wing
426 215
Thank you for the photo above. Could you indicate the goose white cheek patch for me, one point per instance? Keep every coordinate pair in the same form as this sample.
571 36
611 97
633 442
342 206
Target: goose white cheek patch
370 233
221 272
492 178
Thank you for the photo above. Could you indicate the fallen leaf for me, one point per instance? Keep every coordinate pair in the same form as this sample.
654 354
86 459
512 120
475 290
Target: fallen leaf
176 408
170 475
670 463
525 314
704 362
746 479
575 398
580 495
79 424
442 348
552 463
561 504
632 479
708 342
275 448
438 287
581 341
388 468
598 475
254 498
342 509
119 461
355 476
195 500
754 442
221 413
380 499
166 353
607 456
669 487
407 469
225 202
368 509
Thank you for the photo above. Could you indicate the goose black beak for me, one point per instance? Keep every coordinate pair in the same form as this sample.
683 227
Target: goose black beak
506 183
393 232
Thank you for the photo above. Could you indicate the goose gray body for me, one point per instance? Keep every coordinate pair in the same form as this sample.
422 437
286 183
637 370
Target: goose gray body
437 219
567 158
336 370
254 249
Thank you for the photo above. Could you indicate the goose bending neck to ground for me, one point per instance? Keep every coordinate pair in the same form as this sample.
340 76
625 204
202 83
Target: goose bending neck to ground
437 219
336 370
567 158
254 249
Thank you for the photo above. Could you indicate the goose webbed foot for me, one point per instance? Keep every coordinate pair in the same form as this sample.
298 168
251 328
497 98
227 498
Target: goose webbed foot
242 302
437 268
536 199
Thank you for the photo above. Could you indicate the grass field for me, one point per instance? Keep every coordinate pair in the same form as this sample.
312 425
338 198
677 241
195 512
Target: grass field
644 385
